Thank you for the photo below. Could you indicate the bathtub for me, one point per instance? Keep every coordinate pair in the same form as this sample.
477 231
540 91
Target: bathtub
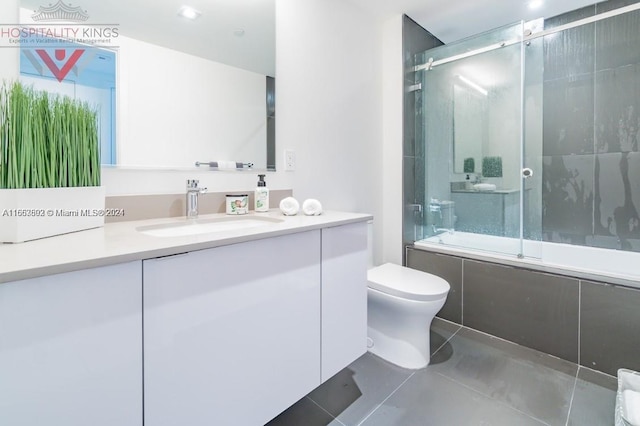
601 264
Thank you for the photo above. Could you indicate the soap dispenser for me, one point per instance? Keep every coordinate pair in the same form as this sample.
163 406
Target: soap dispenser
262 196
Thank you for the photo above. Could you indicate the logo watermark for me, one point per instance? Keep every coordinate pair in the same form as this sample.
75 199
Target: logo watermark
62 213
60 12
59 39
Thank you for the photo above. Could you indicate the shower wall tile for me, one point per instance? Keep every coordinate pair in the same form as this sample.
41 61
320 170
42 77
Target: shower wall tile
568 17
411 217
413 170
533 309
568 116
618 109
409 179
419 128
608 5
415 39
439 139
569 53
609 337
409 124
617 201
567 197
447 267
420 186
617 41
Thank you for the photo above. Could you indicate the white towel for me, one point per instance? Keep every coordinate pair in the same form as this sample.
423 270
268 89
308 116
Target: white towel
227 165
289 206
312 207
631 406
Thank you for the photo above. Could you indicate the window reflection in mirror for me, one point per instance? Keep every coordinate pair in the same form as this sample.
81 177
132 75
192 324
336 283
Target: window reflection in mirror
86 73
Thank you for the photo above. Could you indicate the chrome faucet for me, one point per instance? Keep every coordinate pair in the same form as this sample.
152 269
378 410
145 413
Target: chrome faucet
192 197
437 230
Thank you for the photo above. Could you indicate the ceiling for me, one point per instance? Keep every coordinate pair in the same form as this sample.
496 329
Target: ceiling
452 20
211 36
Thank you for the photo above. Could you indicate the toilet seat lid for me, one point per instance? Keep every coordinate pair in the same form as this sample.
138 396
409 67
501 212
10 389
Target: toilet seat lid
407 283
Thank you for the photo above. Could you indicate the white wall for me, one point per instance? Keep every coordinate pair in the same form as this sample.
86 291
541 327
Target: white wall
176 109
132 181
393 81
329 104
329 108
330 111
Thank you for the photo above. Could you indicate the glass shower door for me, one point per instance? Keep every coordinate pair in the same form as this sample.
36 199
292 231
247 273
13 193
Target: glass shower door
533 99
471 126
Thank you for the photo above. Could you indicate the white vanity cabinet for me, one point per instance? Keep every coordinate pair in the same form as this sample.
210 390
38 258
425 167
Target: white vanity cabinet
71 349
232 334
344 296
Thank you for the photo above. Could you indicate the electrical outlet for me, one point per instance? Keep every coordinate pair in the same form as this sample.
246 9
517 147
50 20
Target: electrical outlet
289 160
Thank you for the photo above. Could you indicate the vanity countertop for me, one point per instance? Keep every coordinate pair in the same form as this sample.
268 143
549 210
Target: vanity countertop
121 242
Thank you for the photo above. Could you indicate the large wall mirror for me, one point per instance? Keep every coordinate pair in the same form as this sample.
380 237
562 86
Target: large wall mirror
171 91
469 128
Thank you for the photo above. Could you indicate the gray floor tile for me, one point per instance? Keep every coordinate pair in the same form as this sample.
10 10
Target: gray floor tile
441 332
532 382
428 398
357 390
304 412
594 399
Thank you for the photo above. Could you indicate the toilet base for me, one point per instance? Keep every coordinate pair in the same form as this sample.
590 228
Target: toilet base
412 356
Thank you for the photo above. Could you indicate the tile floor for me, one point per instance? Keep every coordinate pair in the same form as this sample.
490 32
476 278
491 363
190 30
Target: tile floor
473 379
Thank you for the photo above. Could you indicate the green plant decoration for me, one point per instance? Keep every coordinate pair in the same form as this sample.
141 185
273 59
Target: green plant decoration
46 141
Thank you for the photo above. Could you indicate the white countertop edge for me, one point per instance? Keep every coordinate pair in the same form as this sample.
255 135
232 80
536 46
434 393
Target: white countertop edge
120 243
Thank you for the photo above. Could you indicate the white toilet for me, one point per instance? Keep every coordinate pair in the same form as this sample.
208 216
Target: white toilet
401 305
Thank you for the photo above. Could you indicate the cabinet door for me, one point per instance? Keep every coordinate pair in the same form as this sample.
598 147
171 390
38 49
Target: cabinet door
71 349
232 334
344 296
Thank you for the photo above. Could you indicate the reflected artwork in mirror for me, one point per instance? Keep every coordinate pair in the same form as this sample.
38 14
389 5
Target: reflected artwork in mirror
169 91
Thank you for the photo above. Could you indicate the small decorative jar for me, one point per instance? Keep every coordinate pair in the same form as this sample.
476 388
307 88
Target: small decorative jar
237 204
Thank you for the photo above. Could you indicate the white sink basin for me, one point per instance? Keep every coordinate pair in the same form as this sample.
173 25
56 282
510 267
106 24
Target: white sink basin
484 187
186 227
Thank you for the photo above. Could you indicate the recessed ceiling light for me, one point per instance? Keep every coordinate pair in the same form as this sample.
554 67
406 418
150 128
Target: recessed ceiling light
189 12
535 4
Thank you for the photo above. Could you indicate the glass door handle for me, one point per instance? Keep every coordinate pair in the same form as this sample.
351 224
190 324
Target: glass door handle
527 172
